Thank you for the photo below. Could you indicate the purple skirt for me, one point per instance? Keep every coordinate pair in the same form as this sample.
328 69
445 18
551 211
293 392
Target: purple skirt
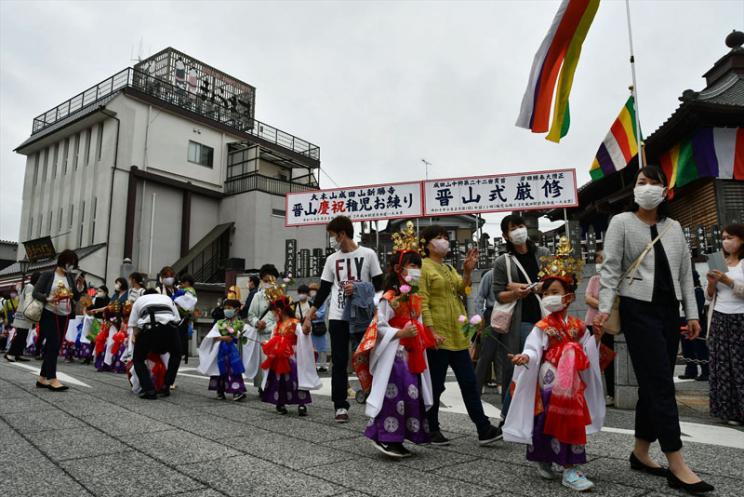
546 448
228 382
282 390
403 415
100 365
117 365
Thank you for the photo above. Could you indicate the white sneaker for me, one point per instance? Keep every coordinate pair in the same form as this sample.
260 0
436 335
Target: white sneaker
342 415
575 480
545 470
733 422
609 400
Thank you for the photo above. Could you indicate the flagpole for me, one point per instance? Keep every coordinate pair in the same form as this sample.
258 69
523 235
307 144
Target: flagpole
641 158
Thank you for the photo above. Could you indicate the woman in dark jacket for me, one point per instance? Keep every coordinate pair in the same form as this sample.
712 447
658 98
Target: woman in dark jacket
58 289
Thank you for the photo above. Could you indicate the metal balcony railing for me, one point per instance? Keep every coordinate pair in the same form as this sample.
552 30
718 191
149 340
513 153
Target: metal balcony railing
226 114
257 182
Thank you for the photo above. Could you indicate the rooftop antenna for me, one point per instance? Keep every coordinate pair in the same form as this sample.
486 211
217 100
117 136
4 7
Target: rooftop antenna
139 53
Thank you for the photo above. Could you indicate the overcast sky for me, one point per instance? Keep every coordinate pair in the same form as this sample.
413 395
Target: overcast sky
377 85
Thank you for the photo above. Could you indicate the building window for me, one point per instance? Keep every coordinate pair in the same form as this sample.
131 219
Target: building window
49 223
54 162
75 152
36 170
30 227
65 156
70 214
59 221
38 227
88 140
99 142
278 212
200 154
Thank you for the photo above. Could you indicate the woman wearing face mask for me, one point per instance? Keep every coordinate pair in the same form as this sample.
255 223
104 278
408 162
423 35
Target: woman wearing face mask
512 283
58 289
441 289
260 315
136 286
167 285
21 323
649 316
319 331
591 297
726 339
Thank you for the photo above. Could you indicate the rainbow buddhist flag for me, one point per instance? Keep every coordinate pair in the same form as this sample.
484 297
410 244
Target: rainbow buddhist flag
559 51
619 146
709 152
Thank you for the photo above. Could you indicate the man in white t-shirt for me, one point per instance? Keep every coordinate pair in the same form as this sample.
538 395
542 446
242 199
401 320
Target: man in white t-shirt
348 264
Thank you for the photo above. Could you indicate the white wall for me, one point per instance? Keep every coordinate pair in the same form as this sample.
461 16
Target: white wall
205 215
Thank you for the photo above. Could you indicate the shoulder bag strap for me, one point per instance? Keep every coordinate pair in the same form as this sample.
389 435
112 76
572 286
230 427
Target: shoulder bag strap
633 268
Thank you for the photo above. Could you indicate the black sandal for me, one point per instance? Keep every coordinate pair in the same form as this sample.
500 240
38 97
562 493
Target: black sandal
637 465
281 410
302 411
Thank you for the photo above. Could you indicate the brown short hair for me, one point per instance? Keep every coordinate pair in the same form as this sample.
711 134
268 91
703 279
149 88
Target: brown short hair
341 224
737 230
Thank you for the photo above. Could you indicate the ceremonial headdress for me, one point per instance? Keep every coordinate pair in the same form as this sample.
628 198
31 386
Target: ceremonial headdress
563 265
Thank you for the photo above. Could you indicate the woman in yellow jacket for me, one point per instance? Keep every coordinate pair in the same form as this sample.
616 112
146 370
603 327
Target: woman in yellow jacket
442 290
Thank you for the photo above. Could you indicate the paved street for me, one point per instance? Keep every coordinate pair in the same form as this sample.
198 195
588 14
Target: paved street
99 439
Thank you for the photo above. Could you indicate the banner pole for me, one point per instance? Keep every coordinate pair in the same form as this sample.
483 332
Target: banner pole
641 158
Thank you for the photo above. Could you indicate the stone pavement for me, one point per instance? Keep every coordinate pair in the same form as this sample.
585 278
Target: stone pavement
99 439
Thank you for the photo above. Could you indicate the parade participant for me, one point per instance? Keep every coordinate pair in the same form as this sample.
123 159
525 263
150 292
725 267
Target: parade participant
9 308
136 286
302 306
154 321
319 331
59 289
391 359
21 323
727 330
225 352
260 315
515 280
100 301
647 264
185 299
488 356
289 365
350 263
558 396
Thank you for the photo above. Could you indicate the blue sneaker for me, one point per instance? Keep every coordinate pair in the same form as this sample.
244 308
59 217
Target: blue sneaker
575 480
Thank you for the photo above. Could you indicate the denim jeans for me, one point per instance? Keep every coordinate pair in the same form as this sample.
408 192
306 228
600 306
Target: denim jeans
459 361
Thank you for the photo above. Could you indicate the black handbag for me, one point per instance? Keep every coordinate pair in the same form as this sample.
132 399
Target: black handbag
319 328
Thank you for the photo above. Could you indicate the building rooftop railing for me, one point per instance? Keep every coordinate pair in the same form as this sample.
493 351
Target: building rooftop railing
258 182
223 111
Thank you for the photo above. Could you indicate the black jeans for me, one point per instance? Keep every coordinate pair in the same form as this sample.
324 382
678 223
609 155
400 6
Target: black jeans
159 339
18 343
339 331
51 328
461 364
652 333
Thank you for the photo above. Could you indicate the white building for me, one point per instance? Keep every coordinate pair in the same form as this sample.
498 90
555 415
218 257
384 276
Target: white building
163 164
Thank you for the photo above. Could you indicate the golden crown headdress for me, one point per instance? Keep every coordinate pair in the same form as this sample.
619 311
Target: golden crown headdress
406 240
563 265
233 293
275 291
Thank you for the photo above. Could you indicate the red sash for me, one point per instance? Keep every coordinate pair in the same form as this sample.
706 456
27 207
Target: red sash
280 347
102 337
567 415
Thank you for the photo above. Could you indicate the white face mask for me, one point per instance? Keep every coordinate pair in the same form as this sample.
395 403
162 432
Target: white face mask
598 266
229 313
441 246
335 244
302 297
518 236
730 246
117 286
169 281
553 303
648 197
313 293
69 268
414 274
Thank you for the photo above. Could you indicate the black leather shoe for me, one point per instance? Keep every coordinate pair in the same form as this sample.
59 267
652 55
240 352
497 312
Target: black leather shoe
20 358
60 388
9 359
691 488
637 465
41 385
